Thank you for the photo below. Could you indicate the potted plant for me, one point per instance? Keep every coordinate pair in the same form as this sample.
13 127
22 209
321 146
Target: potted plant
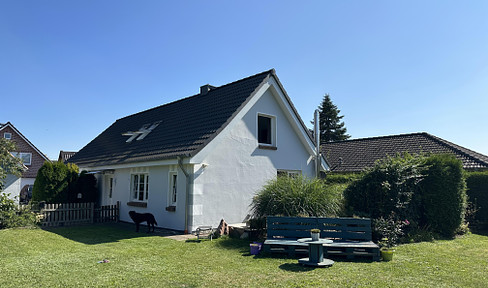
315 234
390 230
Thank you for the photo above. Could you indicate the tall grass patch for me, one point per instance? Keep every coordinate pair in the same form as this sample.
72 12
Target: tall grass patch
297 196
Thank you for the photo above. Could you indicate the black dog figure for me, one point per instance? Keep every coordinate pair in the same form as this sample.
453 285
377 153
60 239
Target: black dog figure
143 217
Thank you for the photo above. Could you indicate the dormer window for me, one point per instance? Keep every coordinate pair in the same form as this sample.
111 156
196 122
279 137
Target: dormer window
7 135
266 130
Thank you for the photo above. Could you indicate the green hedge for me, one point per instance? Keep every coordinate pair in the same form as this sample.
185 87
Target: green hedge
388 187
429 192
444 194
477 184
341 178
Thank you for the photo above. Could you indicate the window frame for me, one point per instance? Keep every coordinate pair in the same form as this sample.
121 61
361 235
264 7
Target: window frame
172 188
110 186
135 189
5 135
288 173
30 158
20 156
272 133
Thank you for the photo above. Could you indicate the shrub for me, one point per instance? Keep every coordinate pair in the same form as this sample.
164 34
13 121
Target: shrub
55 182
444 194
12 215
428 191
340 178
8 164
477 190
390 186
296 196
389 229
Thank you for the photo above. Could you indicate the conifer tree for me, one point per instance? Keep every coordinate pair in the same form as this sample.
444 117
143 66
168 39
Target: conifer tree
331 126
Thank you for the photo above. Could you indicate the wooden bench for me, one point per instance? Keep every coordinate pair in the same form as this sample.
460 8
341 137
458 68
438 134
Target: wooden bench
351 236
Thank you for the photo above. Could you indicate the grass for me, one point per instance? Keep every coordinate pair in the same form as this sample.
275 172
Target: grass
67 257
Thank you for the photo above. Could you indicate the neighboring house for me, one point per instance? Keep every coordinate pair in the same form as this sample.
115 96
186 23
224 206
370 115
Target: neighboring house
358 154
195 161
32 159
65 155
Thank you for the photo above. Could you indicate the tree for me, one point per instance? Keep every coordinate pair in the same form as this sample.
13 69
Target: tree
55 182
331 126
11 215
8 163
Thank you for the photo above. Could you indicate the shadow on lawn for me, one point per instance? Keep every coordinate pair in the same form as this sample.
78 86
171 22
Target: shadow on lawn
104 233
242 246
295 267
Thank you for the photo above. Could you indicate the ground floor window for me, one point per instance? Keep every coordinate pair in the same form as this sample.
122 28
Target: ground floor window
140 187
288 173
111 186
173 188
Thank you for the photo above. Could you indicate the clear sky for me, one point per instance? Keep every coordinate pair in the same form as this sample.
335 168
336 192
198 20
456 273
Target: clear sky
69 69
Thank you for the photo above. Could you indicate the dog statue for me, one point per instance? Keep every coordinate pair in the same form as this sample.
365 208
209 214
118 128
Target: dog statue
138 218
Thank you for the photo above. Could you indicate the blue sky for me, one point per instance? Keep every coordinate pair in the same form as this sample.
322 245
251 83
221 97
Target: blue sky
68 69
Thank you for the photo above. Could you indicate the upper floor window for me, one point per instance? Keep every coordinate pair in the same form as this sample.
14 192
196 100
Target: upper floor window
140 187
26 157
266 130
7 135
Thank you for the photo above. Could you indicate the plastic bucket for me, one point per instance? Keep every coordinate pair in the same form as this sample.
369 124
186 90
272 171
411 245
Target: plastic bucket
255 248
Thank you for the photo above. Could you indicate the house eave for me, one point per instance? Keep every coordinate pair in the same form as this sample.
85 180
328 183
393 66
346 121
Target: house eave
104 165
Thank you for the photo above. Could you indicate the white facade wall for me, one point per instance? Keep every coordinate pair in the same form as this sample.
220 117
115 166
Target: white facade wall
12 187
157 194
237 168
224 175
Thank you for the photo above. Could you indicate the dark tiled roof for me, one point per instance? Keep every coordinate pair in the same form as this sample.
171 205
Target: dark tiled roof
186 126
357 154
65 155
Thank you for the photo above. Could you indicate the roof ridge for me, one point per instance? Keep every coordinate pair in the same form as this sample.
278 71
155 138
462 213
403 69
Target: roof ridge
377 137
460 149
196 95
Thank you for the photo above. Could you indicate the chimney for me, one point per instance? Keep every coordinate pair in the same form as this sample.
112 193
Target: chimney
205 89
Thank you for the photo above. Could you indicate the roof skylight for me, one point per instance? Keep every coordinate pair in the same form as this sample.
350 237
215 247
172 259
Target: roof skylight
142 132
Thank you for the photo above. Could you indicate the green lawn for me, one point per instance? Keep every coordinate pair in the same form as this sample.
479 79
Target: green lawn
67 257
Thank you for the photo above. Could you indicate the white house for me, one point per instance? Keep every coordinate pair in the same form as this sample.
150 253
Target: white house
201 159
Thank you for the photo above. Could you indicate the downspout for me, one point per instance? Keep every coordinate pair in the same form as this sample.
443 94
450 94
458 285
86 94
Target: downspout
187 194
318 163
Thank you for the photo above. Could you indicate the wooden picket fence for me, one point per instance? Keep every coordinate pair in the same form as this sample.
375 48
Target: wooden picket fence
68 214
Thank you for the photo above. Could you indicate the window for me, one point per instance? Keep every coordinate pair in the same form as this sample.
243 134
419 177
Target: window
140 187
173 188
111 187
266 130
7 135
26 157
288 173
